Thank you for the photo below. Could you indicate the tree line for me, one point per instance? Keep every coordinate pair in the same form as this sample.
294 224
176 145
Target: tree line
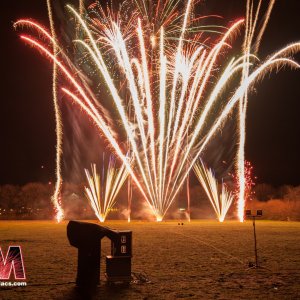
33 201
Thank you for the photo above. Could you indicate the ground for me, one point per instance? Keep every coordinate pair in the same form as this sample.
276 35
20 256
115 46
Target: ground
197 260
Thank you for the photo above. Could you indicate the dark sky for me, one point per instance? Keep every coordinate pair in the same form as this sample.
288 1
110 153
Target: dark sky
27 117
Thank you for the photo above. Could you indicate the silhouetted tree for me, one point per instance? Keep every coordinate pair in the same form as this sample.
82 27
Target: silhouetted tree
264 192
36 195
9 196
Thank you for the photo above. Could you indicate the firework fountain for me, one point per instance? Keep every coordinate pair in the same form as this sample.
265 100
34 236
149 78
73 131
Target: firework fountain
252 39
179 83
102 198
220 201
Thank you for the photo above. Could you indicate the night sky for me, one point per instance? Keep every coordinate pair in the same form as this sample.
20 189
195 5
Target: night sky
27 116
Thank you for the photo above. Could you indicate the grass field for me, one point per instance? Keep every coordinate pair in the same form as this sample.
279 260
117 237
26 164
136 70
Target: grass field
200 260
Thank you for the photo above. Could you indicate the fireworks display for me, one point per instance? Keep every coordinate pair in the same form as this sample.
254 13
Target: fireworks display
171 85
220 200
102 190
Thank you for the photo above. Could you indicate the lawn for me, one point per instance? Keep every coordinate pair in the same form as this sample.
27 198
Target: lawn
199 260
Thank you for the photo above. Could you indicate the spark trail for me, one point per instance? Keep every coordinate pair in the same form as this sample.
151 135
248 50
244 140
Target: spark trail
56 198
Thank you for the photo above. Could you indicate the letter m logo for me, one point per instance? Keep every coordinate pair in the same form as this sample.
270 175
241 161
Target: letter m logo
12 261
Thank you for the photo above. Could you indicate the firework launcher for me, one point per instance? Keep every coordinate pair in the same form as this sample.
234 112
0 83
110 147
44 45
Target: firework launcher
86 237
118 264
249 214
